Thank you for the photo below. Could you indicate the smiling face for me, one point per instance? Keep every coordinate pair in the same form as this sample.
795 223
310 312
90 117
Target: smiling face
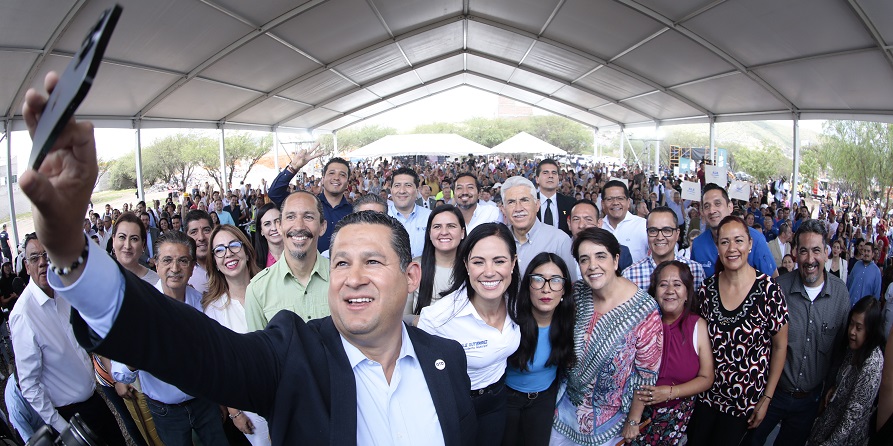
300 224
811 257
269 227
662 246
466 192
788 262
520 207
615 203
672 294
231 264
490 266
583 216
714 208
200 231
128 244
335 179
446 232
733 243
404 192
545 299
598 266
367 289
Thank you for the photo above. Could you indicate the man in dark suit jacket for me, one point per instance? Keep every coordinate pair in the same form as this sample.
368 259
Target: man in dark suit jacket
152 234
547 181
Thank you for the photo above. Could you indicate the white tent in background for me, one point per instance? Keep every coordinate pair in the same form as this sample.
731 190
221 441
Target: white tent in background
526 143
421 145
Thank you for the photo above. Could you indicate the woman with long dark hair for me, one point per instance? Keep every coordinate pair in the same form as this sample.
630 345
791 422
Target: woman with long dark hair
474 312
268 242
544 311
747 320
618 342
230 269
446 230
686 366
849 404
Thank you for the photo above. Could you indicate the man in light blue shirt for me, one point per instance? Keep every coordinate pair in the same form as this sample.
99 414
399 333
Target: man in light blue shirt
532 236
865 278
404 191
224 217
176 414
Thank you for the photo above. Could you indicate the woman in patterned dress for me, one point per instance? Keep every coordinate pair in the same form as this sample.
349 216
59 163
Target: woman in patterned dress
849 404
618 342
686 366
746 319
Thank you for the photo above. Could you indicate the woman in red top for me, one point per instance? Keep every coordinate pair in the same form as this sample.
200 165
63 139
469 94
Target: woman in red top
882 243
686 365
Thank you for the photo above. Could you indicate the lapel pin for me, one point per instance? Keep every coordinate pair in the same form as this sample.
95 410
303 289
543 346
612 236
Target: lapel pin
439 364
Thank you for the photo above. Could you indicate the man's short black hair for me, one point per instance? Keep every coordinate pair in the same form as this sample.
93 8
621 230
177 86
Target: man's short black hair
546 161
338 160
713 186
477 184
615 183
195 215
407 171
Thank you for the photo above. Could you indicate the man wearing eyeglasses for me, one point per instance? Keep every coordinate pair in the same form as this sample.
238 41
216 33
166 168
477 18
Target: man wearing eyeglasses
55 374
663 233
628 228
176 413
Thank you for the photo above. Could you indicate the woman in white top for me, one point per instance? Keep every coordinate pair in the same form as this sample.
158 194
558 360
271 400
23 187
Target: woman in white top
837 263
229 270
446 229
474 313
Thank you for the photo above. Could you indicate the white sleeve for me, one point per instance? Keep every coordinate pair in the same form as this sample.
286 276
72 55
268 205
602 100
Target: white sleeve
29 364
98 293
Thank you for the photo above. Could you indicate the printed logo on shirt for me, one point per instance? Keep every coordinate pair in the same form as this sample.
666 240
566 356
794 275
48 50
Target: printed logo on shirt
475 345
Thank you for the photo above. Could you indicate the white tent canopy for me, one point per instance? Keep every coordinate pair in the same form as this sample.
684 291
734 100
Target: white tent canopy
526 143
422 144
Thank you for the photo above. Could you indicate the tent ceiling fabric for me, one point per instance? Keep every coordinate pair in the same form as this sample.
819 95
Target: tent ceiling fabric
325 64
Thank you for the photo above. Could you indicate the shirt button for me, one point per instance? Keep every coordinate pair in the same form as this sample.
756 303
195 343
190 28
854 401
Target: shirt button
807 339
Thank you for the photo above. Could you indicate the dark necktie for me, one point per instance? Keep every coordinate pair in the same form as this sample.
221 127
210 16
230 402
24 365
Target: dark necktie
547 217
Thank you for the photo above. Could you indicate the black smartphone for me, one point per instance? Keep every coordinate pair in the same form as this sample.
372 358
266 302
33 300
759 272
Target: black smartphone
73 86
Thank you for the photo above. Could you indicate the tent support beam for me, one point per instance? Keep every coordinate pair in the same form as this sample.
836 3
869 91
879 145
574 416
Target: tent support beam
713 140
9 189
656 148
795 197
276 150
222 162
621 145
139 162
335 141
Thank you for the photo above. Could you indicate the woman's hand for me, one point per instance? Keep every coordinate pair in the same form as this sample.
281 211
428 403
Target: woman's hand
243 423
654 394
629 432
754 420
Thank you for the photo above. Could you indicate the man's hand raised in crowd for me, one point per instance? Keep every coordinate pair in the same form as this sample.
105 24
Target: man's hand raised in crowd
302 157
60 190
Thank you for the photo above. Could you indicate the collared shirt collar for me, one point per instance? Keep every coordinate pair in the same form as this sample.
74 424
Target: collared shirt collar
626 217
799 287
325 201
530 234
39 296
395 211
355 356
543 197
284 271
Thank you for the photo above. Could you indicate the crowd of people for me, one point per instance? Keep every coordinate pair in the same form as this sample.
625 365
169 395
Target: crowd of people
479 301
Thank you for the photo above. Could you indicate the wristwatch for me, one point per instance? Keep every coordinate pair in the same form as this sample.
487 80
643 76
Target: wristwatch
633 423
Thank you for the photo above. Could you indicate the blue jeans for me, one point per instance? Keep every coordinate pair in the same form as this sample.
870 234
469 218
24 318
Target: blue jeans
796 416
175 422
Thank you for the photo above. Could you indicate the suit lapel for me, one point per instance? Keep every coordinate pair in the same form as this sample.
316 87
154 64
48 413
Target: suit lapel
343 417
440 388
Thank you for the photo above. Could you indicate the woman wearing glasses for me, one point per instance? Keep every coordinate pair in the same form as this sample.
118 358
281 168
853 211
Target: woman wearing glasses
544 311
229 270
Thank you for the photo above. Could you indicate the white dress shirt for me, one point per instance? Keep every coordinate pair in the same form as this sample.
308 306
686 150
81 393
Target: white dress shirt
483 213
54 370
454 317
416 225
199 278
399 413
631 232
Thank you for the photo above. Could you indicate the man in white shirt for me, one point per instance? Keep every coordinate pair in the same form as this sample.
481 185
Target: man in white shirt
404 190
467 192
198 228
55 373
629 229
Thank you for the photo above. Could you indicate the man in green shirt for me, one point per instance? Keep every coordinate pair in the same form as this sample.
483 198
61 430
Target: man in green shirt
299 281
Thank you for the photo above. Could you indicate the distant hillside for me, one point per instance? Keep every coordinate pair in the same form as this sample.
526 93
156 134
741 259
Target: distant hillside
752 134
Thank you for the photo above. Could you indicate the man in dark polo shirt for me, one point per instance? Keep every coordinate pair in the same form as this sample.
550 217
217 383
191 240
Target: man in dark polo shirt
818 305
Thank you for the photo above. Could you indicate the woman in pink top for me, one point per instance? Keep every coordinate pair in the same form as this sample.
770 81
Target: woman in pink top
268 242
686 365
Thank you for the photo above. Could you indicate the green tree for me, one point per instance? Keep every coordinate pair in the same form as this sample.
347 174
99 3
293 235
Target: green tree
351 139
860 154
763 163
437 128
122 172
240 148
173 159
563 133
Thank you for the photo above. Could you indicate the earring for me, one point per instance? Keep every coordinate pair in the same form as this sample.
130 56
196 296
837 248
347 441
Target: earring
561 300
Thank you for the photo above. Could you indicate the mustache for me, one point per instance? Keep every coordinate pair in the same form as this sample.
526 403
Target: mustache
299 233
